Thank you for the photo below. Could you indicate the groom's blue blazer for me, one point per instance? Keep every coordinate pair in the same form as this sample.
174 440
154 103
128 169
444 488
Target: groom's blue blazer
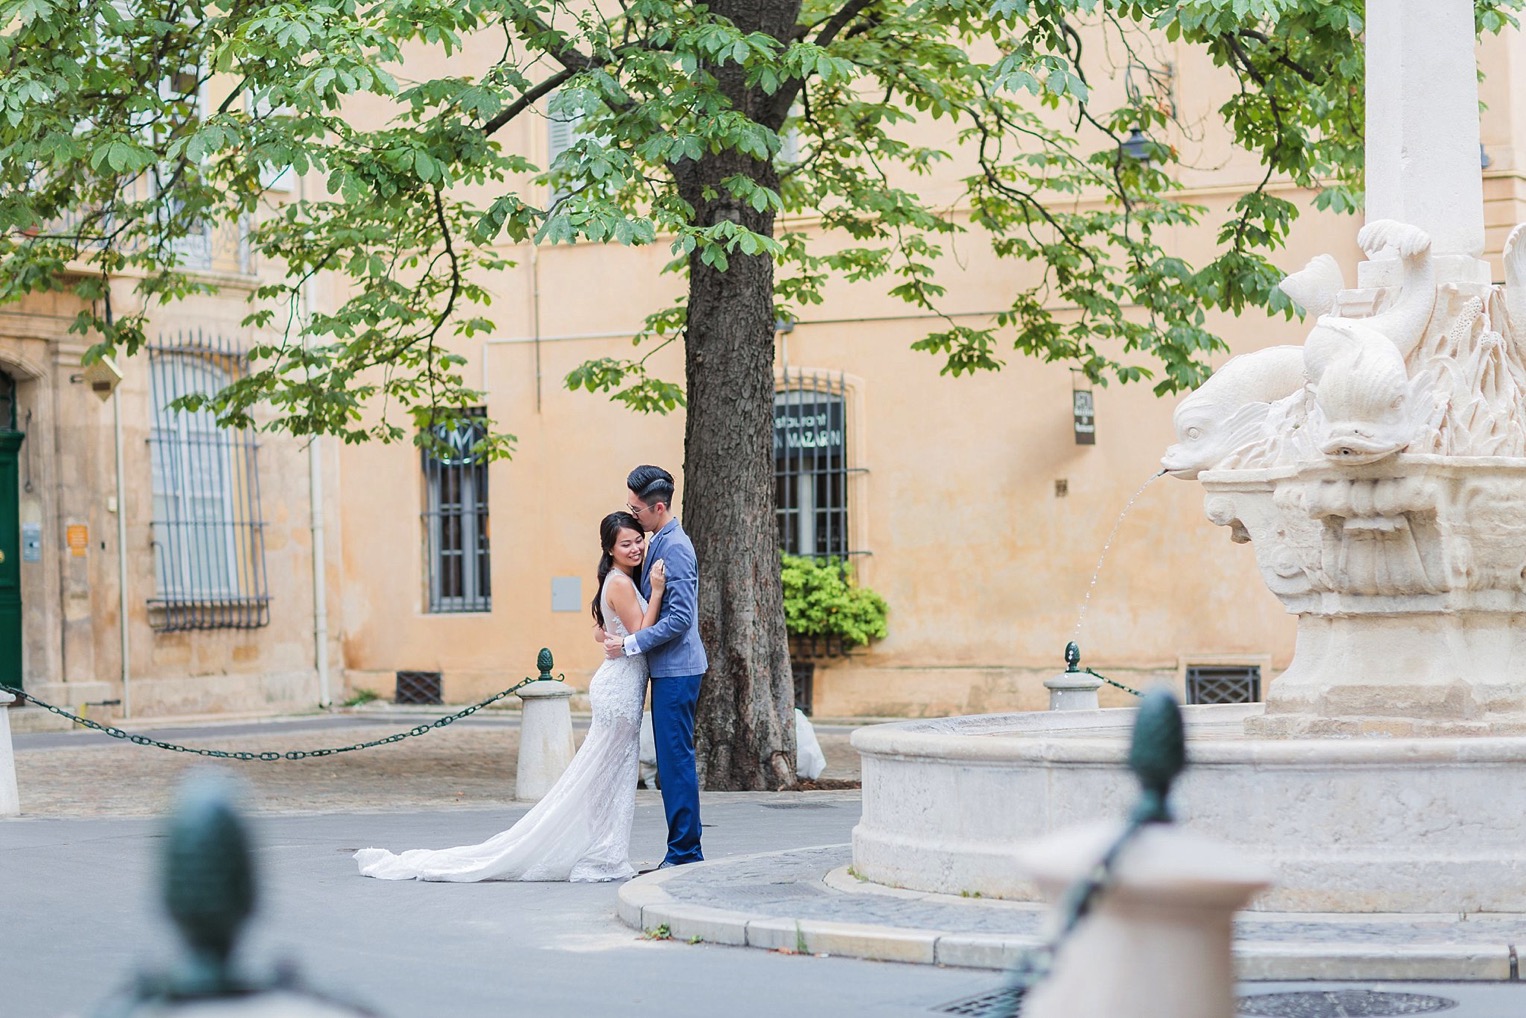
672 646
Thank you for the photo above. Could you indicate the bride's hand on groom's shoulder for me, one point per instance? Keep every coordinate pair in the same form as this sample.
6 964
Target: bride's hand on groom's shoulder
658 575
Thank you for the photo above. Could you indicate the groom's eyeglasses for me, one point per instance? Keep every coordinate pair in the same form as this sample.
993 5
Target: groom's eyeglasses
636 512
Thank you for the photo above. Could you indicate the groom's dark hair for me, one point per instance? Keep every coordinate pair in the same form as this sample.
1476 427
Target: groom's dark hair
651 485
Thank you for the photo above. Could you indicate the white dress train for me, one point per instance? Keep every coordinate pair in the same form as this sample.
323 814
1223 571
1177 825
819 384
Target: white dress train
581 830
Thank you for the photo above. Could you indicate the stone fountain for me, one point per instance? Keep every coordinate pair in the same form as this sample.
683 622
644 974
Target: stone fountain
1378 471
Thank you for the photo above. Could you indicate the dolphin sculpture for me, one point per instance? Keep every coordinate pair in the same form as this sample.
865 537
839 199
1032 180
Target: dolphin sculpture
1229 411
1315 286
1515 286
1364 392
1356 366
1404 321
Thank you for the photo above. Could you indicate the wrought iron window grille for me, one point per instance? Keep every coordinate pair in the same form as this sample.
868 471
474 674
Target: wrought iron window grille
455 517
811 465
811 473
1223 683
208 534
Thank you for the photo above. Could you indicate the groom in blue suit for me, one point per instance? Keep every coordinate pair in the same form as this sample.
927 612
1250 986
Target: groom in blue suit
675 657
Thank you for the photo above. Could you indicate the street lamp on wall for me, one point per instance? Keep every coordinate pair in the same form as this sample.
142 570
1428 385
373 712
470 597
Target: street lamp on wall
1136 146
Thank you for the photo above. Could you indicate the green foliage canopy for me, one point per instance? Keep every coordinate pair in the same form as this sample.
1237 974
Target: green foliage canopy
112 152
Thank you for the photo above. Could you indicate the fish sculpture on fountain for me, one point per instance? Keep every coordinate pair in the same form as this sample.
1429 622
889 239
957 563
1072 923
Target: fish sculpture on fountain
1230 410
1379 472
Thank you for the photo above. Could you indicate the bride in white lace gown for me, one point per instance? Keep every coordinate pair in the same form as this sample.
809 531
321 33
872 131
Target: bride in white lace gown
581 830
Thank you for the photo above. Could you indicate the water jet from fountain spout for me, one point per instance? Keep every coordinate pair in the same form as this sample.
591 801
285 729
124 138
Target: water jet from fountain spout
1075 635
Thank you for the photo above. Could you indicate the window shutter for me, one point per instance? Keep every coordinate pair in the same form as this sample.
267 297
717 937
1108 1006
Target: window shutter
560 134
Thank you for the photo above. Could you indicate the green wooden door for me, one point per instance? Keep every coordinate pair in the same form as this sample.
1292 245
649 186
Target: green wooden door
10 561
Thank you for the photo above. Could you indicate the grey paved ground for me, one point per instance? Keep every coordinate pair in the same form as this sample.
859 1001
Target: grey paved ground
78 911
78 915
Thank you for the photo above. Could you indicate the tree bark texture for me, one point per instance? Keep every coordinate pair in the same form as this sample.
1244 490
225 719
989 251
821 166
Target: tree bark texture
745 732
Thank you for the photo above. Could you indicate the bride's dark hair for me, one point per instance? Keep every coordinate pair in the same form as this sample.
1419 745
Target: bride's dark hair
609 533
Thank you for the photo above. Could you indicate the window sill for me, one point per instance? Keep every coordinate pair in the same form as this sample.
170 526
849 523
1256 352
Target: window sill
170 615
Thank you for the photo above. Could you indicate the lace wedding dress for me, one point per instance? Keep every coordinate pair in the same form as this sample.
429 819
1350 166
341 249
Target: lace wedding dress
581 830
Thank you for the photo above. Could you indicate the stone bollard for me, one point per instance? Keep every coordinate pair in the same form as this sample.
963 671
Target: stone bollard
1144 909
209 887
1073 689
545 732
1157 944
10 798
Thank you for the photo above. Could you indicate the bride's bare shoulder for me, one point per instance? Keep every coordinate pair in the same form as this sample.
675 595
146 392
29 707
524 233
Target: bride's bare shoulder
618 579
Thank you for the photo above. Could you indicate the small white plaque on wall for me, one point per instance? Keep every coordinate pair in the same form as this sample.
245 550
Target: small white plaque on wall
566 593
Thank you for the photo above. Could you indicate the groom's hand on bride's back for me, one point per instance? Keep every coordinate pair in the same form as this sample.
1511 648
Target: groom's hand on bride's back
614 647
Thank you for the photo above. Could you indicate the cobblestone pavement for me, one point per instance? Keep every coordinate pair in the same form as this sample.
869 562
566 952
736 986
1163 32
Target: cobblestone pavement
470 763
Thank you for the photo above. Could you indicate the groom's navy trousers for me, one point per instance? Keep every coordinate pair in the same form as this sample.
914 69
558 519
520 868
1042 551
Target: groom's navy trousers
673 699
676 658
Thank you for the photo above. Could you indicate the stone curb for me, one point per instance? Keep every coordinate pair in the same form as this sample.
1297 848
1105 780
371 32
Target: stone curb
653 900
646 904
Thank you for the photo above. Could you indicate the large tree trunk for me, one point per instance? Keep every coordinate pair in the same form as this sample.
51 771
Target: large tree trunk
745 732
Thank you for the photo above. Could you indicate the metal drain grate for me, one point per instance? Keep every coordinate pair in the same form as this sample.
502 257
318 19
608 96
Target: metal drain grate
419 687
1006 1002
1341 1004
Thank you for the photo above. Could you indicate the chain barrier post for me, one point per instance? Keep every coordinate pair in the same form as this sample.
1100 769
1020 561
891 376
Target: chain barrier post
1144 909
1073 689
209 890
10 798
545 732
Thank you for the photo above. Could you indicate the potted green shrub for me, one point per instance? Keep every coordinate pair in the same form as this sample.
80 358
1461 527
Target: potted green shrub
824 608
825 614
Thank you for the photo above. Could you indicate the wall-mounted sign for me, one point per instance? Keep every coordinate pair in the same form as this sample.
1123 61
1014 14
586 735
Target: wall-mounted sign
77 537
567 594
811 425
1085 416
31 542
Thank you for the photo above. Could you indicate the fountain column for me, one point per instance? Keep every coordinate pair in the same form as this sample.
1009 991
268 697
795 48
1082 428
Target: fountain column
1422 134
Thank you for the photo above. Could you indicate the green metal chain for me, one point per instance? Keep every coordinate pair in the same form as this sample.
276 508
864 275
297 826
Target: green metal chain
1110 682
139 739
1073 664
1035 964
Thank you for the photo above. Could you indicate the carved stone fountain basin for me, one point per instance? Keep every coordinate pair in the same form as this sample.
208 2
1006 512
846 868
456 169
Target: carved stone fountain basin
1408 577
1417 825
